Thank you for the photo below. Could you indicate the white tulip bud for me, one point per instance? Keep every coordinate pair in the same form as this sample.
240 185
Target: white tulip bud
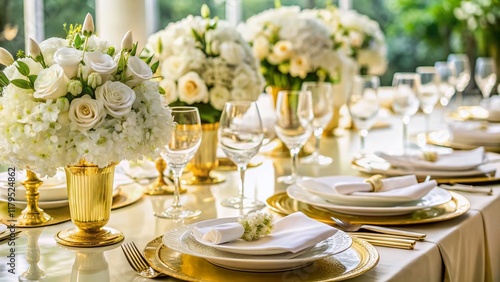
34 49
6 58
127 41
94 80
75 87
205 11
88 25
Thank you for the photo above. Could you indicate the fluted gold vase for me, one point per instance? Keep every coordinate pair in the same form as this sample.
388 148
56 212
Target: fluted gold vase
90 195
204 162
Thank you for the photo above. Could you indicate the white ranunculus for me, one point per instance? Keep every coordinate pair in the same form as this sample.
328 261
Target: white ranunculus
101 63
137 71
282 50
192 88
219 96
170 89
299 66
232 52
116 97
51 83
260 47
69 59
86 113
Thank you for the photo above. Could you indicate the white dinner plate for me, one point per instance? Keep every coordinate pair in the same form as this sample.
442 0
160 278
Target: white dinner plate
322 186
251 248
181 240
435 197
3 228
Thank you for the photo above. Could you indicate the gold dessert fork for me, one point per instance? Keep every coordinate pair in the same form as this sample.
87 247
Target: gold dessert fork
138 262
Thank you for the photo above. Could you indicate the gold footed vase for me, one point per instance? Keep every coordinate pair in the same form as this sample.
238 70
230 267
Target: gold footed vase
160 186
204 162
90 195
32 215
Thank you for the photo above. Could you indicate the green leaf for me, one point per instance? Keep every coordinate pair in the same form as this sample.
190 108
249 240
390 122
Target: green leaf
134 49
160 45
78 41
4 81
111 50
32 78
21 83
198 37
154 67
148 60
161 90
23 68
87 90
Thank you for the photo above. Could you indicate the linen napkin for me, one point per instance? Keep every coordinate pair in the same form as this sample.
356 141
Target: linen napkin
492 105
456 160
475 133
140 169
292 233
220 233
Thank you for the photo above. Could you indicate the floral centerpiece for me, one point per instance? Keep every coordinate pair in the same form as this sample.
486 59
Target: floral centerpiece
79 98
292 47
204 63
357 36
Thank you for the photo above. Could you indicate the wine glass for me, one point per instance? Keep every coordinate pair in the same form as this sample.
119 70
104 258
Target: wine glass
405 102
363 105
460 63
485 75
240 137
322 99
184 143
428 92
446 87
294 114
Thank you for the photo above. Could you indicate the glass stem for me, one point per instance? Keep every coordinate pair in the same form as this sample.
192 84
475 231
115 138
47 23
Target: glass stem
177 183
427 125
294 153
362 137
242 169
458 100
317 134
406 120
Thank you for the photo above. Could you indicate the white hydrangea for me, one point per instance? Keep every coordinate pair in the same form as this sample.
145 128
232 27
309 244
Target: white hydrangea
256 225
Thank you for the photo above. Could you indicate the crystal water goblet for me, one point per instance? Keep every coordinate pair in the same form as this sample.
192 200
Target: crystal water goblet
322 100
428 93
240 137
485 75
185 141
460 63
405 102
446 87
363 105
294 115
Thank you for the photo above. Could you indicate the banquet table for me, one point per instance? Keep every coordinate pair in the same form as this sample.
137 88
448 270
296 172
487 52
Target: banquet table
465 248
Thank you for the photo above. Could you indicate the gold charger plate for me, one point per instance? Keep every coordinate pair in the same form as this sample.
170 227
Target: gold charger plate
129 194
442 138
334 268
457 206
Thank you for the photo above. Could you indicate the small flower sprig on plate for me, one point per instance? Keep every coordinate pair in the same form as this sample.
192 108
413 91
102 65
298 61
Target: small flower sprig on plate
256 224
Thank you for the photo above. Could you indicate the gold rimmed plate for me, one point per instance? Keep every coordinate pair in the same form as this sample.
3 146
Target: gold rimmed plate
457 206
443 138
358 259
129 194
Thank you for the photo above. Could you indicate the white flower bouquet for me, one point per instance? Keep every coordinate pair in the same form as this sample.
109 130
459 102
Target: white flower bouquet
292 47
204 63
78 98
357 36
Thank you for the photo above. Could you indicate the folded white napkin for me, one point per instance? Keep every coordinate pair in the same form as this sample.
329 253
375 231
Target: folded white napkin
475 133
456 160
292 233
406 186
492 105
221 233
140 170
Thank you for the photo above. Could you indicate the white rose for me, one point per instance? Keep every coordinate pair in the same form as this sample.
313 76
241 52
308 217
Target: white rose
260 47
173 67
192 88
170 90
13 73
282 50
137 71
116 97
86 113
219 96
101 63
69 59
299 66
51 83
232 52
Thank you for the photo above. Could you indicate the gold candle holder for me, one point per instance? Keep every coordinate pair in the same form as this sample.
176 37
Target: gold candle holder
32 215
160 186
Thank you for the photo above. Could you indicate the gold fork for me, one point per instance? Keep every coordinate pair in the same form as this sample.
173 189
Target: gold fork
138 262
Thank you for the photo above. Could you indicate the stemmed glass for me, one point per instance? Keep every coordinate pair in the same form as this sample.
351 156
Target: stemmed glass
240 137
405 101
460 62
428 92
184 143
446 87
363 105
294 113
485 75
322 99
